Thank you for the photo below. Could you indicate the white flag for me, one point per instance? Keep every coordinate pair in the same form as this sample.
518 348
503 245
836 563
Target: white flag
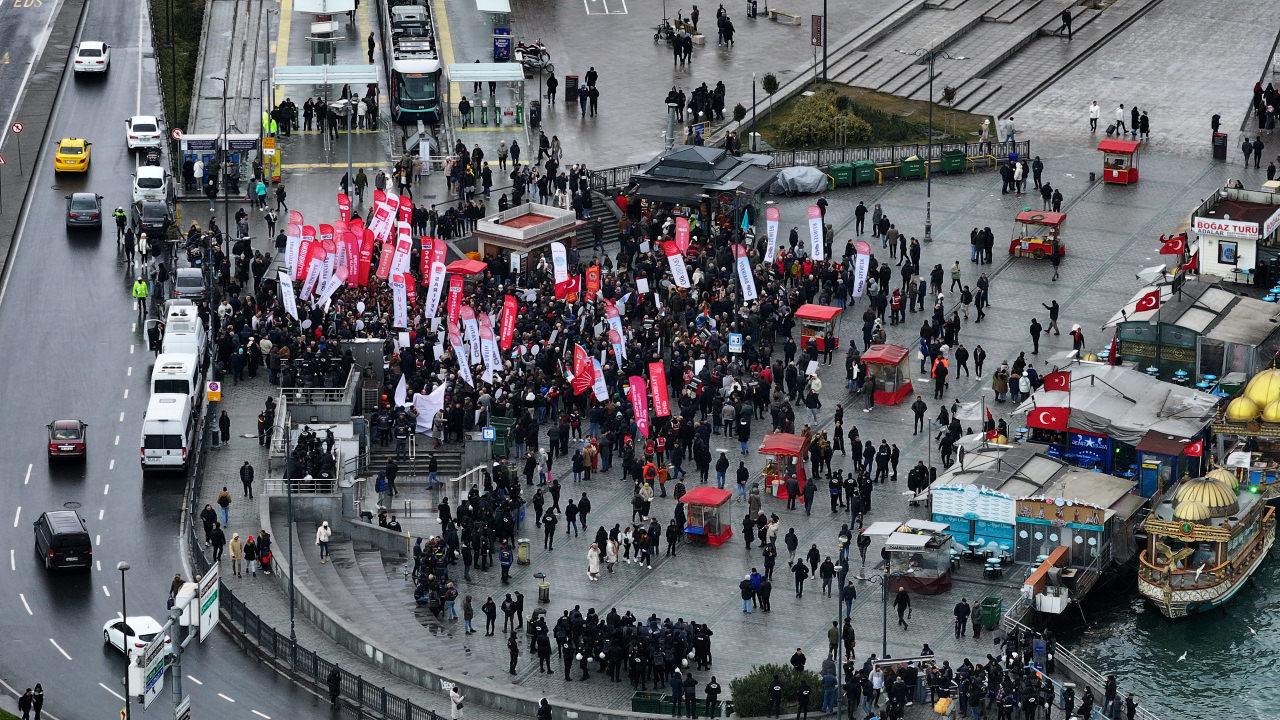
285 281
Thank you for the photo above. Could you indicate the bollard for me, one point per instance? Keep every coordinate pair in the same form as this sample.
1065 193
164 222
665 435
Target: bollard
520 114
484 112
497 114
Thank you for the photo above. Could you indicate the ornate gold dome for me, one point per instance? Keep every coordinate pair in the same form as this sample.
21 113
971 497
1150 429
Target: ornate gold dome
1242 409
1191 511
1264 388
1225 476
1271 412
1089 357
1216 496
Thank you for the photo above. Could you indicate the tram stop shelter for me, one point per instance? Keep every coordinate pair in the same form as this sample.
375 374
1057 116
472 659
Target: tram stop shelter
1119 161
704 523
464 74
788 452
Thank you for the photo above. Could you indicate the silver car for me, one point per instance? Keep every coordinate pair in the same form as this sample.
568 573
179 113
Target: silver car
188 283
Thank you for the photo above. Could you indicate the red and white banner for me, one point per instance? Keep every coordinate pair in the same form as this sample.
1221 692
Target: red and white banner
771 217
385 258
1049 418
327 290
861 266
640 404
745 278
682 236
1149 301
569 289
597 385
679 273
815 232
303 261
1194 449
471 329
314 267
435 286
1175 245
488 348
1060 380
510 312
404 250
351 241
460 354
384 216
366 257
559 262
592 280
295 217
614 318
658 383
454 305
399 301
286 293
344 206
293 243
619 354
405 214
583 372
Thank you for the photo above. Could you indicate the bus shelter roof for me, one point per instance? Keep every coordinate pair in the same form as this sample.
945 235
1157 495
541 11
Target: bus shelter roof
485 72
325 75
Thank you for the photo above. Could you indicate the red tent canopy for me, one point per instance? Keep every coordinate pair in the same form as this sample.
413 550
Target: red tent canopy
1036 217
884 354
466 267
788 444
1124 147
708 496
823 313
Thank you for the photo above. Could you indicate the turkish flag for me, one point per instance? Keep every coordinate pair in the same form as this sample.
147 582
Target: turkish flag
1149 301
1175 245
1049 418
1060 380
1194 263
1194 449
1113 352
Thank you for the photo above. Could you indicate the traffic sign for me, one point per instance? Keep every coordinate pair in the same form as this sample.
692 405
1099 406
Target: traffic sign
16 128
213 391
735 342
488 432
176 133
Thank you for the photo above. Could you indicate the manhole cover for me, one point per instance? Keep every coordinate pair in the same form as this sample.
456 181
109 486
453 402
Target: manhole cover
71 505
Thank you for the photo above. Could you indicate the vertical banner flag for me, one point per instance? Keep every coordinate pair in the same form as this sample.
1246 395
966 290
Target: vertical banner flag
658 383
313 276
425 256
295 217
679 273
815 232
303 260
861 266
366 257
460 354
597 385
344 206
771 217
510 311
406 210
488 348
384 216
559 262
682 235
593 280
435 285
615 339
293 237
404 250
582 370
286 293
386 259
379 196
454 306
400 301
614 318
640 404
327 290
472 331
352 243
745 278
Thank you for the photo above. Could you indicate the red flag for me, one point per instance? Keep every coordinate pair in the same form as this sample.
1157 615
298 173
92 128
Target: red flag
989 425
583 371
658 384
366 256
1149 301
1060 380
344 207
510 310
425 256
379 196
593 280
406 210
682 234
569 288
1113 352
384 260
1175 245
455 298
640 404
1049 418
1194 449
1194 263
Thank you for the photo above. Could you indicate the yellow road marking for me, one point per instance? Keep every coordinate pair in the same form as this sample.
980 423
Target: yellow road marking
282 42
444 41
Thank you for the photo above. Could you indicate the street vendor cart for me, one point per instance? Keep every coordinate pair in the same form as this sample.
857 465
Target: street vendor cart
887 366
787 455
919 555
704 523
1119 161
815 322
1038 234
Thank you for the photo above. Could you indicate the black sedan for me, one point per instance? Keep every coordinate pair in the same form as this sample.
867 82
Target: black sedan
84 209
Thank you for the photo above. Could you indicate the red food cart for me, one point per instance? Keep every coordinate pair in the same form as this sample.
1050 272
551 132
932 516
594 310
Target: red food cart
1119 161
788 452
815 321
1038 234
887 365
704 523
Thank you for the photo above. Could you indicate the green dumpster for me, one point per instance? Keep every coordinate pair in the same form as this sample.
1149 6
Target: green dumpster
646 702
953 161
842 173
864 172
502 432
991 610
912 167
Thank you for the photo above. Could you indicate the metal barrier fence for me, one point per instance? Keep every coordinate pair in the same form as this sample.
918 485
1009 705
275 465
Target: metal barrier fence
357 695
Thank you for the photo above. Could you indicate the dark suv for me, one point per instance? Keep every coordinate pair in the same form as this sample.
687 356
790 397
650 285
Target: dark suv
62 541
153 217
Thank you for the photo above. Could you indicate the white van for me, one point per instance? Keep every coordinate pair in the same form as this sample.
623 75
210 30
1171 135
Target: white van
183 329
176 373
166 433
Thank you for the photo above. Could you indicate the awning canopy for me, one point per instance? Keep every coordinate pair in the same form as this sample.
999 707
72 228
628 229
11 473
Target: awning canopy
1035 217
466 267
821 313
708 496
325 75
485 72
1124 147
788 444
884 354
323 6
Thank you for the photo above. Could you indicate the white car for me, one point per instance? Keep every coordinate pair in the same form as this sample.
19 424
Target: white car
141 629
150 183
92 56
142 131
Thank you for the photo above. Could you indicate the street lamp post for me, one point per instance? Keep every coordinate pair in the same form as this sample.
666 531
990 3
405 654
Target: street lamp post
288 484
884 612
123 567
932 54
842 572
753 112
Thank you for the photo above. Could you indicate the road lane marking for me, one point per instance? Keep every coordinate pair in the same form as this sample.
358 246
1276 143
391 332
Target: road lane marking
99 564
228 699
101 512
193 679
117 440
105 591
131 347
126 393
106 488
129 371
4 132
264 717
27 479
13 562
142 16
59 648
97 540
111 465
113 692
16 514
24 603
121 416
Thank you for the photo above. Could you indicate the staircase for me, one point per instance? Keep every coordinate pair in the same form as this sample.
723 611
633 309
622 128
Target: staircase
604 209
448 460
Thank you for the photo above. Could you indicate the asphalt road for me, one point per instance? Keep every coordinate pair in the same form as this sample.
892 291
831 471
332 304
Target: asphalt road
24 24
67 326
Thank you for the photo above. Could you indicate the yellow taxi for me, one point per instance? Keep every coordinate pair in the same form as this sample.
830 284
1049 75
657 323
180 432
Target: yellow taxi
72 155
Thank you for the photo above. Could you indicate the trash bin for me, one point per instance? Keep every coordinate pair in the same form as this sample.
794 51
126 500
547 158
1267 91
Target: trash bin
1219 146
991 610
864 171
912 167
535 113
953 161
841 173
544 588
570 89
646 701
522 551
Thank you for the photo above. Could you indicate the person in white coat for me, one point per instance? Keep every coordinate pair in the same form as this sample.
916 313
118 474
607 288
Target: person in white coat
323 534
455 703
593 562
1094 113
